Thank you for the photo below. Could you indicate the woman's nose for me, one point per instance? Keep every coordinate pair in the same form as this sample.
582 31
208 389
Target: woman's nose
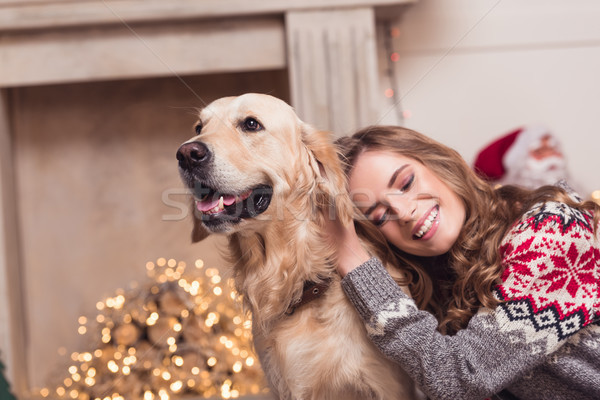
404 206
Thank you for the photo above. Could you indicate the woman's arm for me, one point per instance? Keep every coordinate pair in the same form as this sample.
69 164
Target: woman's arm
475 363
549 289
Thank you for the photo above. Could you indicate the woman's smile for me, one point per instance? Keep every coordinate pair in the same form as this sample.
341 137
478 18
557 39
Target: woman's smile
427 225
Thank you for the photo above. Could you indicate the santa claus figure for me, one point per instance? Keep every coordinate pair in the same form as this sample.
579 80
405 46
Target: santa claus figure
529 157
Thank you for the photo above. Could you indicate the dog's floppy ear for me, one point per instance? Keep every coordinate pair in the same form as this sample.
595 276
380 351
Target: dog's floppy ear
331 196
198 232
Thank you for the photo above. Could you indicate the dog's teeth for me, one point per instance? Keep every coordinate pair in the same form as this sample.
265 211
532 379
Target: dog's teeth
221 206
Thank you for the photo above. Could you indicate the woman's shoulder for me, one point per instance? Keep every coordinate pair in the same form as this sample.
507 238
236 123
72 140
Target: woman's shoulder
551 227
551 261
555 214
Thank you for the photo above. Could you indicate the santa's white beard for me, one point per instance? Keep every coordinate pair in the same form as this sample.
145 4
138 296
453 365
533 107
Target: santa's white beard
535 173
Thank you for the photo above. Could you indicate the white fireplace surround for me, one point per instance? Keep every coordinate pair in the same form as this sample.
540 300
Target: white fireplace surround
327 46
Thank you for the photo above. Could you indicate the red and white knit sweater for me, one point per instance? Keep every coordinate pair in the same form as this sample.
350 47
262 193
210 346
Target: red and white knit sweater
542 342
551 281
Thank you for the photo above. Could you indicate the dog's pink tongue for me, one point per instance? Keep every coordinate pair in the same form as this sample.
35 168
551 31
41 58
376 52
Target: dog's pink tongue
228 200
206 205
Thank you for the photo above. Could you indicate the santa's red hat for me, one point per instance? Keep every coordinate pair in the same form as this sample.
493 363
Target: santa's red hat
509 151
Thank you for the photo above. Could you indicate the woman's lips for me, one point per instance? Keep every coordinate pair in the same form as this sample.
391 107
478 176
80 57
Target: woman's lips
426 225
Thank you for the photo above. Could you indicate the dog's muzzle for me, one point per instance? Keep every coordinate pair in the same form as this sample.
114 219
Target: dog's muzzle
214 205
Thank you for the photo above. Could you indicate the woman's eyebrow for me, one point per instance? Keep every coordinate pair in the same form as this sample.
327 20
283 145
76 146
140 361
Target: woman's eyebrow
395 175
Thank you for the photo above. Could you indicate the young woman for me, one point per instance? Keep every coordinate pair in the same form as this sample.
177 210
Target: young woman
505 282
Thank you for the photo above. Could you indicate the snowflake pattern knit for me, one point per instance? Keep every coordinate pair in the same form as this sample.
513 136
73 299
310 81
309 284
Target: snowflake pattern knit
551 283
542 342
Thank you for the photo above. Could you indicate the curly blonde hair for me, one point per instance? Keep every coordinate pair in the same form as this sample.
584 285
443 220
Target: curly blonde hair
473 264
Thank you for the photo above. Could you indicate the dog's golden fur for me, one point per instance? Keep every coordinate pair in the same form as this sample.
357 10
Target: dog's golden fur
321 351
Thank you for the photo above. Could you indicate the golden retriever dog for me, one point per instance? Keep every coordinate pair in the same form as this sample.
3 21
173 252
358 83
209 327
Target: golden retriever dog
268 181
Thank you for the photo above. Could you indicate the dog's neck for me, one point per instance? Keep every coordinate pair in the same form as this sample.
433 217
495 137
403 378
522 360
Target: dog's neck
271 267
312 290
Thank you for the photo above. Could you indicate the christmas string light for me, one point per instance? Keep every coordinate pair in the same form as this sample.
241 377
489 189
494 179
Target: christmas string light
392 57
180 335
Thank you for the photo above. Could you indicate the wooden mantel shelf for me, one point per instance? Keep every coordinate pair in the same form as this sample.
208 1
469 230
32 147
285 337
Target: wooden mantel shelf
67 41
42 14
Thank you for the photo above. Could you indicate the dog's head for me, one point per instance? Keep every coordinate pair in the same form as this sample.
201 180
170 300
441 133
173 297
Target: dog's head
254 161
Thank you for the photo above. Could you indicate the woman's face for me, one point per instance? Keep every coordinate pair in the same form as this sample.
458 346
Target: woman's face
413 208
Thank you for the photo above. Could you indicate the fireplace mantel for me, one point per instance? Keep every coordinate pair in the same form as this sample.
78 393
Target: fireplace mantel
328 48
40 14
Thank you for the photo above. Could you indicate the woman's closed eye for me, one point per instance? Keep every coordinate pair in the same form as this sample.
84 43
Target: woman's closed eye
379 220
407 183
380 217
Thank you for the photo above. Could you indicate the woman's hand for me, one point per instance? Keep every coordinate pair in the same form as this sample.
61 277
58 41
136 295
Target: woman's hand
345 241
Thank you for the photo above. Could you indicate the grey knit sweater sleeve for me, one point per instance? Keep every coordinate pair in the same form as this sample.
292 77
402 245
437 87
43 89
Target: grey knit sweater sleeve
474 364
549 293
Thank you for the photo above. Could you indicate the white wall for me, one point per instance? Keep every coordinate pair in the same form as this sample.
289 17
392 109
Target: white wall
472 70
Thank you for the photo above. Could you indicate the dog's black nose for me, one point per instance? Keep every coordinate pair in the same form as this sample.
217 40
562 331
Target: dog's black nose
193 154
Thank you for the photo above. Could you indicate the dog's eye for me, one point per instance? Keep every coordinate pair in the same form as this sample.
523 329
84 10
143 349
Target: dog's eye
251 125
198 128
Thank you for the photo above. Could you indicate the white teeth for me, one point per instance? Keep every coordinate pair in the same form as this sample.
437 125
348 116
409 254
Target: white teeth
218 208
427 224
